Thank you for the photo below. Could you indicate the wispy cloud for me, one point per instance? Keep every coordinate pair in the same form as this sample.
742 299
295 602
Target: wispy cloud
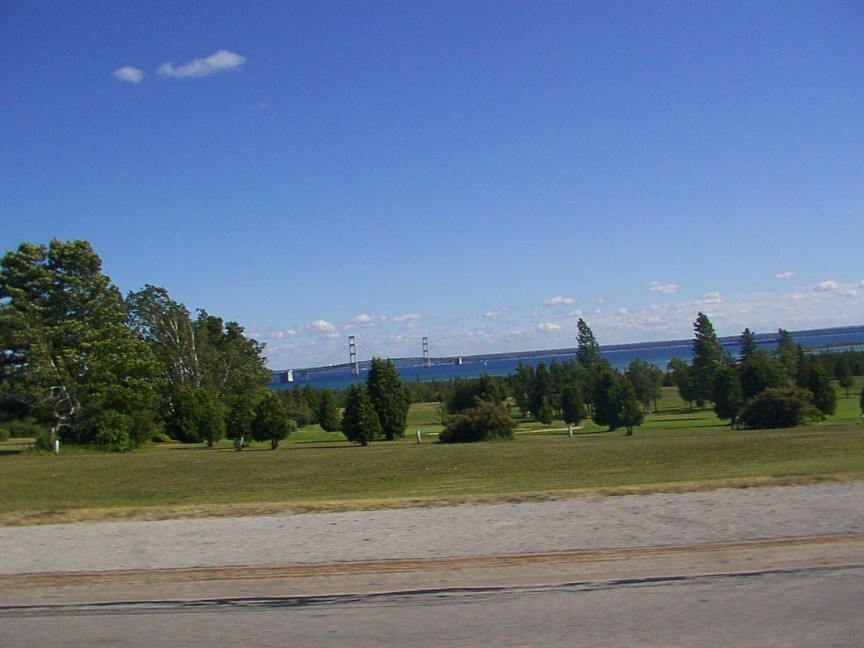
409 318
221 61
559 301
548 327
663 289
825 286
129 74
785 275
711 298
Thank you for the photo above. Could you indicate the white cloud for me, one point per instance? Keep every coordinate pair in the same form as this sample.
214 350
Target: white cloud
711 298
548 327
664 289
129 74
826 286
364 319
785 275
491 315
219 62
559 301
622 311
323 327
411 319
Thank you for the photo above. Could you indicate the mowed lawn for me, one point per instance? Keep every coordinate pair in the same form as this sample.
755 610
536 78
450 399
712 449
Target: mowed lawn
675 449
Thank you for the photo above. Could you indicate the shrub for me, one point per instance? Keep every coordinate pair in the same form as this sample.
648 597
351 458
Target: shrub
779 407
113 432
483 421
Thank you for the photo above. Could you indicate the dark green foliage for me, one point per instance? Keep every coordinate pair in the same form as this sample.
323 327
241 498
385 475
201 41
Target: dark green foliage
680 377
521 385
68 357
296 406
466 391
587 347
707 356
761 372
748 345
483 421
271 421
572 407
360 423
630 412
646 380
329 417
728 395
787 352
603 398
843 371
205 354
197 416
616 403
779 407
824 395
388 397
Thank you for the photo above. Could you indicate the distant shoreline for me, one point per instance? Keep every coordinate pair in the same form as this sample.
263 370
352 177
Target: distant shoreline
727 341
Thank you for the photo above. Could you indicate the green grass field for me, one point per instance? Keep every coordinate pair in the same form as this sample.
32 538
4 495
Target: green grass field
675 449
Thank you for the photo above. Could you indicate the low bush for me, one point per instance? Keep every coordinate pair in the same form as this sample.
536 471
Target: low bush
483 421
780 407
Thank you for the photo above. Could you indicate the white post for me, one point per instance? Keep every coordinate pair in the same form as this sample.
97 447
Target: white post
418 436
570 430
56 446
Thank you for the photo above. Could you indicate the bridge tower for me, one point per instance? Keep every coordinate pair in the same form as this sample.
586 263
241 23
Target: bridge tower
352 356
426 361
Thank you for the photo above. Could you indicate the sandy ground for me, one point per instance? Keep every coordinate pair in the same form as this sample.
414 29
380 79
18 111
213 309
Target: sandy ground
446 532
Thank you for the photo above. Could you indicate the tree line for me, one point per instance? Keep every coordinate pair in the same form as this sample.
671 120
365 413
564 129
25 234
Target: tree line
82 364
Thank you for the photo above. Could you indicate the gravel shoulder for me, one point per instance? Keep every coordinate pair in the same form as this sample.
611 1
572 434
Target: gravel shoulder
654 520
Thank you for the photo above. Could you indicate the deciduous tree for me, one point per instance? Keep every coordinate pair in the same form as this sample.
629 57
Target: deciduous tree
68 356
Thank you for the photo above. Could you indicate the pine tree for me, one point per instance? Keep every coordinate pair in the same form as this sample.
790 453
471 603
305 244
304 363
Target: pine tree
389 398
707 355
360 423
587 348
748 345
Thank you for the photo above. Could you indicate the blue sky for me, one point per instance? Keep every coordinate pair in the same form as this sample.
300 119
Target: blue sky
481 173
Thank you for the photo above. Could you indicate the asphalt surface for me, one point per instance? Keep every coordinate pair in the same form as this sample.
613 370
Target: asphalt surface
766 566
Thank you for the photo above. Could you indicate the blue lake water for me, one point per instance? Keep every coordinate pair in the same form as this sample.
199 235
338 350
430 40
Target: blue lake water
502 364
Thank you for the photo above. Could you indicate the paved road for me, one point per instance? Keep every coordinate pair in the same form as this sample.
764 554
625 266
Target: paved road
808 607
761 567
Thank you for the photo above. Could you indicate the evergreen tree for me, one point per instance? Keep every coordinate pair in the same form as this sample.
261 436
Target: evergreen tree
748 346
728 395
328 412
680 375
388 397
271 421
587 348
572 407
824 395
707 356
787 352
761 372
646 380
843 371
360 423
